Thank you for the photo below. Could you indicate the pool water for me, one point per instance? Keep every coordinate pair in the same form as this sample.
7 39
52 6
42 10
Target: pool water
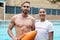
4 26
56 32
3 30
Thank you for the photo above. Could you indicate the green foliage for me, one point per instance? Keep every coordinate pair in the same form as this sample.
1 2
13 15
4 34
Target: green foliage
58 0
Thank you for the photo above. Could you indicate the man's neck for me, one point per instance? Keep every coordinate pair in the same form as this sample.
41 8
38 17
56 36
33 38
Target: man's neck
24 15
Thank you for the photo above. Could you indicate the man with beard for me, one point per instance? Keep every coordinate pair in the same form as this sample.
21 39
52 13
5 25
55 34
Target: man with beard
23 22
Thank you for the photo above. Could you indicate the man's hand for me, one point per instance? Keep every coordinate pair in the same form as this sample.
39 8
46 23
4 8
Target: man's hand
15 38
20 37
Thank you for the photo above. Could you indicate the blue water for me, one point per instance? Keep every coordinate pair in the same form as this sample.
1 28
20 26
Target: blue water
3 30
4 26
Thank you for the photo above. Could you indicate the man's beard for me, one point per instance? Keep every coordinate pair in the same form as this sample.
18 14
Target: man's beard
25 12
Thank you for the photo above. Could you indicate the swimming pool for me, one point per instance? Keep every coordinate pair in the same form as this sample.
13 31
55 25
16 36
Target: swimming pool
4 26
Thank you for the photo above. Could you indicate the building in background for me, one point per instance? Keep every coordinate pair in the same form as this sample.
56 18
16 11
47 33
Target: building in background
2 9
13 7
9 8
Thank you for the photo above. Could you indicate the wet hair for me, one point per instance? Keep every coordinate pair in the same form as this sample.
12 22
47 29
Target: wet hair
25 2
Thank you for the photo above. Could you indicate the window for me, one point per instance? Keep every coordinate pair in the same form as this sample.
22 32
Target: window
35 10
18 10
48 11
53 11
9 9
58 12
1 5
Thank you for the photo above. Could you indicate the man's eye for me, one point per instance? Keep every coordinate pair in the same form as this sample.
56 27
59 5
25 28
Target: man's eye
40 12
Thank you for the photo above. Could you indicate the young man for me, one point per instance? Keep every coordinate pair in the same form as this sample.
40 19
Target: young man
44 27
23 22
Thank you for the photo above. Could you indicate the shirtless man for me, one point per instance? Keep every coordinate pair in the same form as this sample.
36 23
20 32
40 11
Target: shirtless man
23 22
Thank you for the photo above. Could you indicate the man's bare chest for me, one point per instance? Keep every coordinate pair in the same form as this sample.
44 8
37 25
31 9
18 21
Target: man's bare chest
23 22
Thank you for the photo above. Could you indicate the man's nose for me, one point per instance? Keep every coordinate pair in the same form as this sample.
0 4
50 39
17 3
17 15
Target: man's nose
25 7
41 12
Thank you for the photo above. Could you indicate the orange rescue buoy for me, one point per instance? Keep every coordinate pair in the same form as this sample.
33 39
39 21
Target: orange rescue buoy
29 36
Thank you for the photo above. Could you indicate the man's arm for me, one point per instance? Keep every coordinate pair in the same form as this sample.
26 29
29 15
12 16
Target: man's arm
33 25
50 35
11 25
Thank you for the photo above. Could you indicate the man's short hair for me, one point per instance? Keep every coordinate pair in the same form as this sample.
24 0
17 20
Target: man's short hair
25 2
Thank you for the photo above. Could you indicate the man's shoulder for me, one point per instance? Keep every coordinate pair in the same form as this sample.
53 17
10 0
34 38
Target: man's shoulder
31 17
16 15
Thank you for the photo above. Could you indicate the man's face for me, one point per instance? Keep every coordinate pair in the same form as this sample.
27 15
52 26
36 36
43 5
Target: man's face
42 14
26 8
